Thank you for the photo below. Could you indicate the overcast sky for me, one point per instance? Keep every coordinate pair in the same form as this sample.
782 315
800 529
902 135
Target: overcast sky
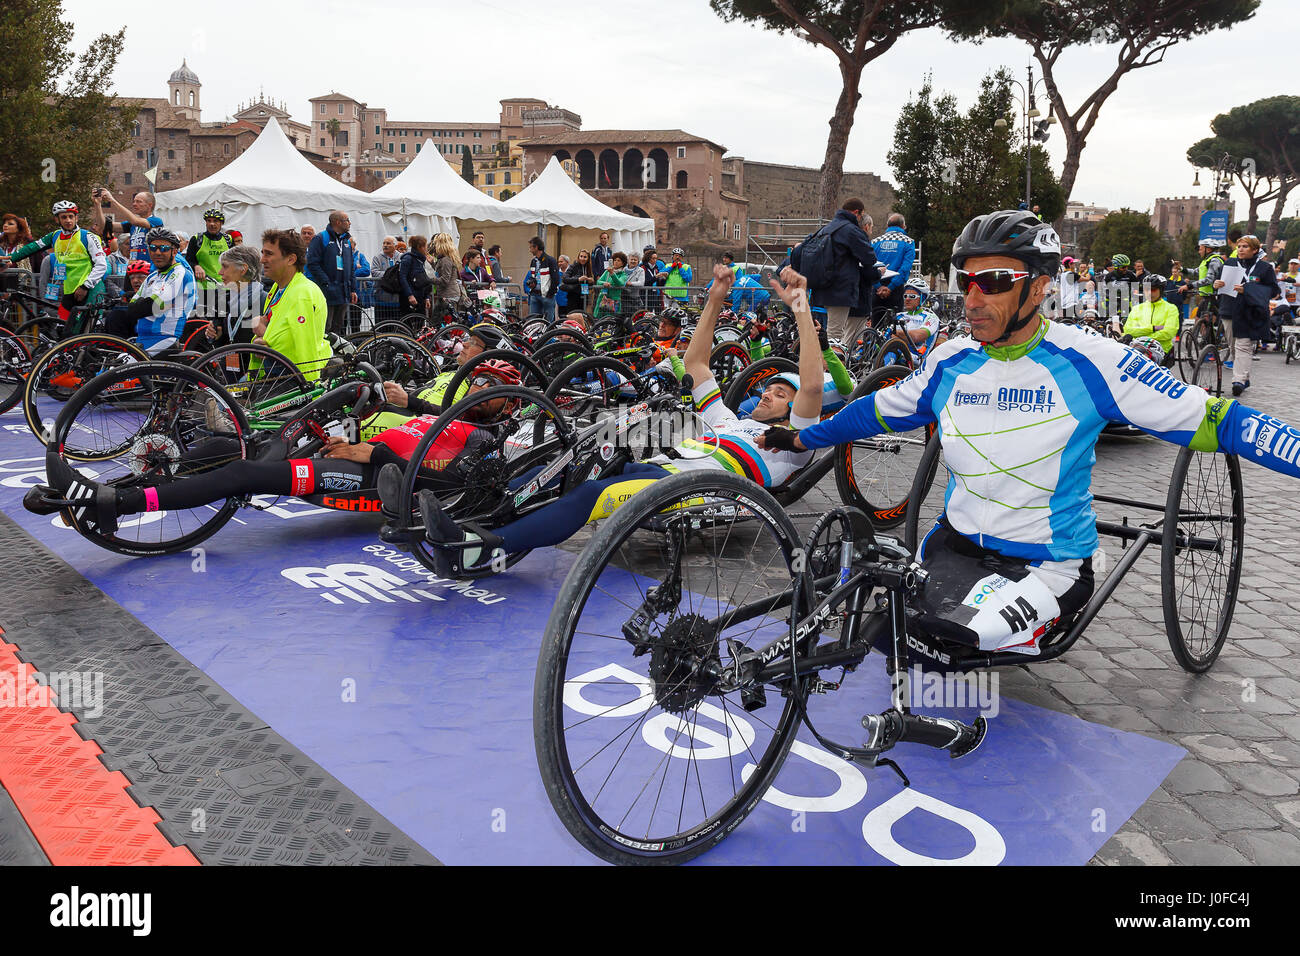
673 63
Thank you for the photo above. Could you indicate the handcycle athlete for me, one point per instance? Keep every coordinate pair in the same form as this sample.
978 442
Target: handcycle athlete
656 725
1019 407
459 550
343 466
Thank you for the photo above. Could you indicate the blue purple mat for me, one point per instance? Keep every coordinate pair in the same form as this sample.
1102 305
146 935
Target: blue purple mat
417 694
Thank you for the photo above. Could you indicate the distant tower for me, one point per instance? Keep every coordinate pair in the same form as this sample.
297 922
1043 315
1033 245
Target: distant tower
183 92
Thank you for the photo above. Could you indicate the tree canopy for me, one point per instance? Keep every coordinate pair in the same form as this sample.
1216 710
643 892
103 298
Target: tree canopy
55 140
857 32
1128 231
952 166
1141 32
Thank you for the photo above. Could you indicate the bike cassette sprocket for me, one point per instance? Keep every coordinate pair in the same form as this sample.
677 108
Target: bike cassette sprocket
679 663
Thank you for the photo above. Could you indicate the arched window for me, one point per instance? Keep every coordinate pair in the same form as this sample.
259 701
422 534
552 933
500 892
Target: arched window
176 97
135 128
562 155
586 161
609 177
681 179
635 172
659 171
191 97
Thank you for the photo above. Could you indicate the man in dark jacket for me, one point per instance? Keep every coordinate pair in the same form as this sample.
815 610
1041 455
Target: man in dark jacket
850 255
330 265
542 280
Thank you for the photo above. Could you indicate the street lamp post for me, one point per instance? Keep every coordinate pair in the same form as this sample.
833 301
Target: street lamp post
1223 171
1033 131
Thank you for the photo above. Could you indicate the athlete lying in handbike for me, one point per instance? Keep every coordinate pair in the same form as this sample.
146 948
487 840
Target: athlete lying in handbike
342 467
733 447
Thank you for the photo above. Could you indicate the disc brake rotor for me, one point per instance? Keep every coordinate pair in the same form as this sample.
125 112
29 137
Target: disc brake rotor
154 454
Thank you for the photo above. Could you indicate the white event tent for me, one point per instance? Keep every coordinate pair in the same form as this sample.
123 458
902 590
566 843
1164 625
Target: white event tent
555 200
273 186
431 197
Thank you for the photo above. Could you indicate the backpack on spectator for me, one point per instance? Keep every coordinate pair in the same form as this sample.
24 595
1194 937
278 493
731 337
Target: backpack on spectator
817 258
391 281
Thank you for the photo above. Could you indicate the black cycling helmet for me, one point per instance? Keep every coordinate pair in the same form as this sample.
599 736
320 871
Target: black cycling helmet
674 314
491 336
162 234
1155 279
1017 234
214 213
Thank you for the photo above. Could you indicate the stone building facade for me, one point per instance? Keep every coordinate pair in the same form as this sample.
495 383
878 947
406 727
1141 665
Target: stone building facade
671 176
777 191
1171 216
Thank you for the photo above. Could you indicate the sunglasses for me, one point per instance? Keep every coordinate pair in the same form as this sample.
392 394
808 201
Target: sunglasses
160 248
483 380
989 281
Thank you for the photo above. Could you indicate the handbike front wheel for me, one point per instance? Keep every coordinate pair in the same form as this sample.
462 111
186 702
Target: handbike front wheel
1201 554
651 746
65 368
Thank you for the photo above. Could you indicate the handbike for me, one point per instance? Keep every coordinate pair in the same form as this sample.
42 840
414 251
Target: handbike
691 635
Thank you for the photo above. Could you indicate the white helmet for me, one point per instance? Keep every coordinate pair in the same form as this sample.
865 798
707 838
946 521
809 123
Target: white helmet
63 205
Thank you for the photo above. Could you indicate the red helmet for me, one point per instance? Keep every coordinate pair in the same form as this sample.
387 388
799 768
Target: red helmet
138 267
573 324
506 373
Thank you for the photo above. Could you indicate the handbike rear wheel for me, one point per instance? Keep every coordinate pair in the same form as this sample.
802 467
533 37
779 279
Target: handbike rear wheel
925 500
67 367
1198 583
647 758
15 364
1208 371
178 422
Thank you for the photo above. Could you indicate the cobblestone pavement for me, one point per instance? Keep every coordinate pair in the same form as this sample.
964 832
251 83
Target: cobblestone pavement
1235 797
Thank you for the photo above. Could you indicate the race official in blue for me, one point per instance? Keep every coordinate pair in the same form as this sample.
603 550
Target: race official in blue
330 264
896 251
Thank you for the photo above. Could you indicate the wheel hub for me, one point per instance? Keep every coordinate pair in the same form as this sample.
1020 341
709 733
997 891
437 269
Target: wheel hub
679 663
154 454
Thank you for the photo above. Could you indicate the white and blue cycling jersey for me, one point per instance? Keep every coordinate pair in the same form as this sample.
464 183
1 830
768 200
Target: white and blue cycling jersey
174 294
1019 427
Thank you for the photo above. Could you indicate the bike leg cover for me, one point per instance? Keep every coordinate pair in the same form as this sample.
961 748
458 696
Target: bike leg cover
151 499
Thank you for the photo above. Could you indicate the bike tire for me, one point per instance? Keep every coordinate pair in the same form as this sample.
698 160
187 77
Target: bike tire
152 374
924 501
1199 595
67 351
752 376
874 492
15 365
893 353
1208 371
571 803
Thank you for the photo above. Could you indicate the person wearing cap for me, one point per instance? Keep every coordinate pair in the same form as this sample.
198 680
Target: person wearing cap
731 447
675 277
1018 408
204 250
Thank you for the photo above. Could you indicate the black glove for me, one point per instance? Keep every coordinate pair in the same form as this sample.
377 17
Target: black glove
780 438
822 338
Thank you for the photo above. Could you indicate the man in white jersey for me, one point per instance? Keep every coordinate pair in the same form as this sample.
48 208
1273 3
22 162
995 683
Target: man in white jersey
1019 407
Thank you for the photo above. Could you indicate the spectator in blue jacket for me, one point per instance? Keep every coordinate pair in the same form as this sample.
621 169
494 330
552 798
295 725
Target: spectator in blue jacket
851 255
330 266
894 250
416 284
